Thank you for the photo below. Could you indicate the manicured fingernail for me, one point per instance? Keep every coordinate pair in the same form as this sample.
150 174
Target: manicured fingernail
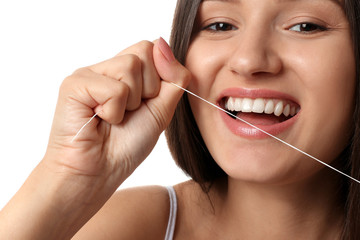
166 50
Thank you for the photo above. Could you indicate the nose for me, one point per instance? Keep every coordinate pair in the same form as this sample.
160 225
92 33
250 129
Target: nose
255 53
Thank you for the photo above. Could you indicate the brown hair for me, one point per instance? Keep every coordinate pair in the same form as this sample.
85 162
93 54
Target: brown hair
352 208
184 139
188 147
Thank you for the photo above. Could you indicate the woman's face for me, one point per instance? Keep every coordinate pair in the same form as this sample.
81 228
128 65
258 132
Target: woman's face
285 66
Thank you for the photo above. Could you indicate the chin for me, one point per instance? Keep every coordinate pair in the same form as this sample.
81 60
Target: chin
264 168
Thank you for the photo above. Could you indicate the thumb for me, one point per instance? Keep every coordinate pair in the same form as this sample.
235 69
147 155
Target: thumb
170 71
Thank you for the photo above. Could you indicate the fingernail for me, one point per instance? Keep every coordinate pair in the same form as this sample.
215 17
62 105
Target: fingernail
166 50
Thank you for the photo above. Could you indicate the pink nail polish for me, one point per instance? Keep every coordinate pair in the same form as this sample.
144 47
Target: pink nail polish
166 50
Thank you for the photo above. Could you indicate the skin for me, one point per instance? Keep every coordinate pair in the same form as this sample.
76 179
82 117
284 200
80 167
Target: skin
71 191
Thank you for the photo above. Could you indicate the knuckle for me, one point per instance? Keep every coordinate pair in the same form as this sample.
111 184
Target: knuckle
145 50
141 48
78 80
67 83
121 90
80 71
145 45
132 63
152 90
75 77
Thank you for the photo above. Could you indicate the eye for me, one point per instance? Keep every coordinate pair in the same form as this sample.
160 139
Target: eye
220 27
307 28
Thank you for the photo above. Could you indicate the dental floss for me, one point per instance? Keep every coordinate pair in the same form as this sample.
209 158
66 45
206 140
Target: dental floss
82 128
244 121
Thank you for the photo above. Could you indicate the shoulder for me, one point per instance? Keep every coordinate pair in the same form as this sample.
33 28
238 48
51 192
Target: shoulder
135 213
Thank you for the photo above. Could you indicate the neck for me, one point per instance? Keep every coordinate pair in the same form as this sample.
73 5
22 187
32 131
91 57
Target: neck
310 209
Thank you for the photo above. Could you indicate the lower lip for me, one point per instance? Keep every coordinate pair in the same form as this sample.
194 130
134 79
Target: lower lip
242 129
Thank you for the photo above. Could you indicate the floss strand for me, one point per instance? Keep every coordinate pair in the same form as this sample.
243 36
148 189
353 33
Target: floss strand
82 128
274 137
244 121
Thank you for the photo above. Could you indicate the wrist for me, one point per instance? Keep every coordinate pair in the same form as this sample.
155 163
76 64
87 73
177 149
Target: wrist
52 205
70 198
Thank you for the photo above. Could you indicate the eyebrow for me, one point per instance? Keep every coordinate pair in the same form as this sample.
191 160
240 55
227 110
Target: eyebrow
219 0
337 2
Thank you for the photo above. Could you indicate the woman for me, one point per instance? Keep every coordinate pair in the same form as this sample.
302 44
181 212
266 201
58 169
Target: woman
277 64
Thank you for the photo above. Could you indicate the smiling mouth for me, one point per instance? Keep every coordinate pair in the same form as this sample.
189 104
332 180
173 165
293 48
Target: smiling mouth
260 111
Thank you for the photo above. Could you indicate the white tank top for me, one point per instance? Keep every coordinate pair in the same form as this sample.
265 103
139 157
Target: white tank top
172 216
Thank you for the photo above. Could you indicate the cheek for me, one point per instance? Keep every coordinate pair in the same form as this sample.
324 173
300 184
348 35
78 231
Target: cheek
204 61
330 75
327 83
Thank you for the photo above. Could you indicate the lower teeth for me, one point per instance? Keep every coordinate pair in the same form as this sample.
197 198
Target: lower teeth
267 119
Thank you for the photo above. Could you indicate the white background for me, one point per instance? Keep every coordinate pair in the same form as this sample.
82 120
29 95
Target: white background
42 42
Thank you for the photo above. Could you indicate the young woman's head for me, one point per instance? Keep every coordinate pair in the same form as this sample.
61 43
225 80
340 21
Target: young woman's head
289 67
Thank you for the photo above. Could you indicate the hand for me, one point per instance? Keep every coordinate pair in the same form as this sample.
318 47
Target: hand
134 102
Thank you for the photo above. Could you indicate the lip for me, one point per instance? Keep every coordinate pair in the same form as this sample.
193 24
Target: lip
255 93
242 129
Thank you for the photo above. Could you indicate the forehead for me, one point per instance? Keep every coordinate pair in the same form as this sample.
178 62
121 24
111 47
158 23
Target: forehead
338 2
336 5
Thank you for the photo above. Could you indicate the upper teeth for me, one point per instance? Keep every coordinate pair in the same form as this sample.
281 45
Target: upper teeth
261 105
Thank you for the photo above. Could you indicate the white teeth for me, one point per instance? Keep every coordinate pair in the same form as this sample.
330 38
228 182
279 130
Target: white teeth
293 111
270 107
230 104
287 110
260 105
238 103
247 105
279 108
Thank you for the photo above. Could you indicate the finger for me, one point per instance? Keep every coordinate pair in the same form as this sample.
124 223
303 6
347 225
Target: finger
127 69
150 77
103 94
170 70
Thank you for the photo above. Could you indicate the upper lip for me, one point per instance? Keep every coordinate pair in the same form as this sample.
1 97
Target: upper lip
256 93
